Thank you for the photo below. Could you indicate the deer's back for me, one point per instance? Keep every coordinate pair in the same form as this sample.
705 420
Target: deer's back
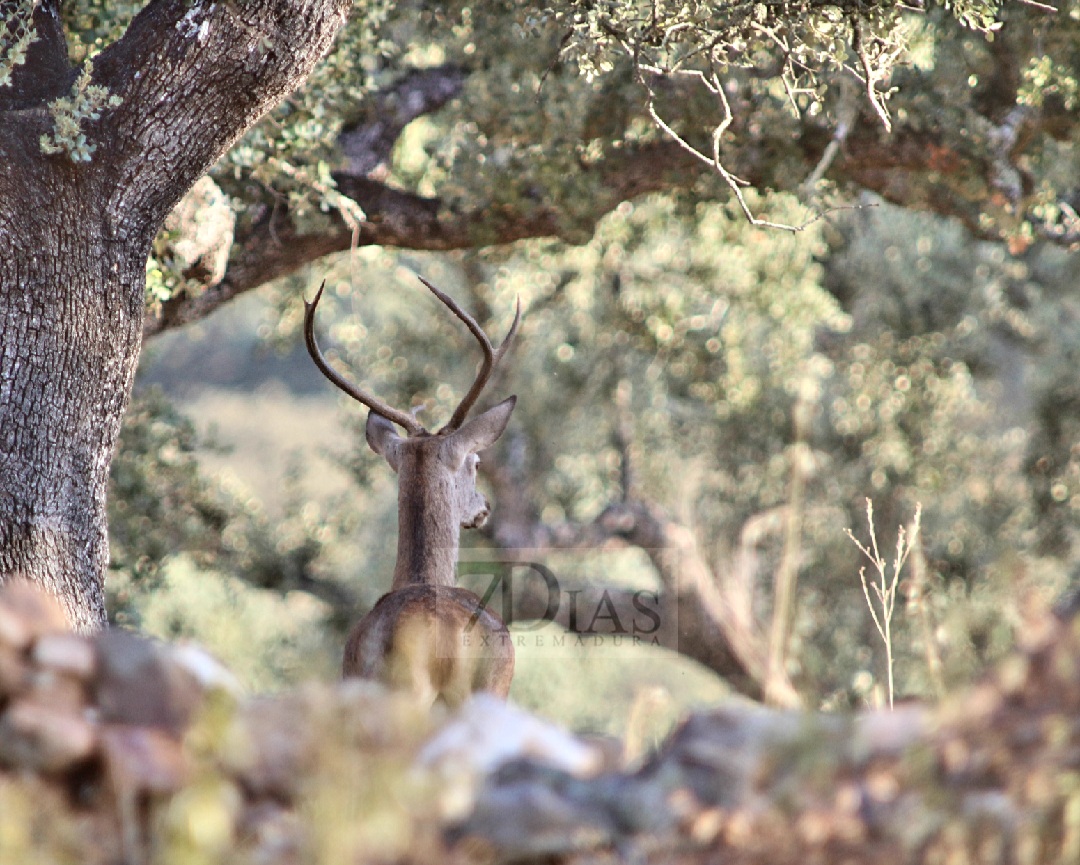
438 641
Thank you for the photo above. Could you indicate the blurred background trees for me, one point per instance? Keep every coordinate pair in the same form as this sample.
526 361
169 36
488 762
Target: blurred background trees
705 405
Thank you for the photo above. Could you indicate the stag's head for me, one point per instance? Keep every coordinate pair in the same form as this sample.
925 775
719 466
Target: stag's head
436 470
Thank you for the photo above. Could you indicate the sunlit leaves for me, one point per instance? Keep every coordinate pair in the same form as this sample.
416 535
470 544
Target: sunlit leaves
1045 78
16 36
287 157
84 103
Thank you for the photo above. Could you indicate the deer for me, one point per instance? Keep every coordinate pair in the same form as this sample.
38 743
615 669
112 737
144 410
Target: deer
428 635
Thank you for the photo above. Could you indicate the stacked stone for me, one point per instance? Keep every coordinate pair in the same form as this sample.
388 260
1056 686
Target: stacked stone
44 676
113 743
114 705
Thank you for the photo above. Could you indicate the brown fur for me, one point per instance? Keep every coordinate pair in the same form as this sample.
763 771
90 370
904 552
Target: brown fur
436 641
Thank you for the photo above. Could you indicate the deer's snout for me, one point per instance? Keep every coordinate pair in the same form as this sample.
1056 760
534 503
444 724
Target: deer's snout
480 517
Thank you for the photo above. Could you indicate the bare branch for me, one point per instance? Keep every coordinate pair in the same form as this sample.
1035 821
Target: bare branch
1044 7
870 77
714 161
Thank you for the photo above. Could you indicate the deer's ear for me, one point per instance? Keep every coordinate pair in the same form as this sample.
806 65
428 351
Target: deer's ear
480 433
383 438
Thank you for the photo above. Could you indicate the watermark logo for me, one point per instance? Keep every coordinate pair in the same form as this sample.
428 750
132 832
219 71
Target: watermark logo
559 602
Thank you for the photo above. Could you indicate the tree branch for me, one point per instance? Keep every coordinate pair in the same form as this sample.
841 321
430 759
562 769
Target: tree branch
216 69
273 247
368 141
713 611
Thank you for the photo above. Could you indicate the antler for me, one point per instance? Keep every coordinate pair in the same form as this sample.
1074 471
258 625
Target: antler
402 419
492 355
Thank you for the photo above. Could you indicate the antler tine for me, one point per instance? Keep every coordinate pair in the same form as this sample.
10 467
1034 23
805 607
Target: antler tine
458 418
470 322
492 356
402 419
510 334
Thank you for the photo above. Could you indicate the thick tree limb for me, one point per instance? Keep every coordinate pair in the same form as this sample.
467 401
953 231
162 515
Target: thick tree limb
368 142
716 626
194 78
396 218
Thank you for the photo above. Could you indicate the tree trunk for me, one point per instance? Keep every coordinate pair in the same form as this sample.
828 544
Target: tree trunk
75 235
70 330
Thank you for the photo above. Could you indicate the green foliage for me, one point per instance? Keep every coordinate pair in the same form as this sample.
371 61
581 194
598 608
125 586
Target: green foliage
940 389
269 640
524 132
288 155
93 24
179 538
1007 324
16 37
524 137
788 59
192 247
689 36
698 318
159 502
548 681
69 113
532 124
1044 78
976 14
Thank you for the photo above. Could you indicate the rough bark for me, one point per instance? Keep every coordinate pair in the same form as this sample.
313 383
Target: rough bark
76 236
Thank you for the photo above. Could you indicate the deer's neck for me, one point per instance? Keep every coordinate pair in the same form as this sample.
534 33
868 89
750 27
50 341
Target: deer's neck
428 538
